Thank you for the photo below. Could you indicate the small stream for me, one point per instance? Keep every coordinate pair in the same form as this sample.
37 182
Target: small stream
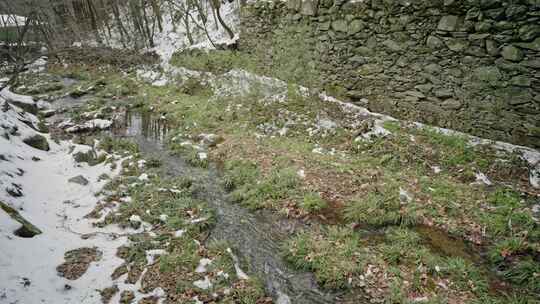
255 236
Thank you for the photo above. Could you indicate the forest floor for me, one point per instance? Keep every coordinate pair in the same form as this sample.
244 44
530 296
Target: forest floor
387 211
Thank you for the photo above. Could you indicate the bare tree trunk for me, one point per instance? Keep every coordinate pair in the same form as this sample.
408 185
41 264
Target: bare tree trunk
217 5
116 13
157 12
93 21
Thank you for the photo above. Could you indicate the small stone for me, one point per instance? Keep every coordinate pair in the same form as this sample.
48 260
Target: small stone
529 32
496 13
433 68
473 14
451 104
339 26
483 27
521 81
475 37
448 23
492 48
457 45
512 53
532 63
309 7
415 94
488 74
370 69
324 26
516 12
356 26
435 43
535 45
364 51
424 88
392 45
444 93
79 179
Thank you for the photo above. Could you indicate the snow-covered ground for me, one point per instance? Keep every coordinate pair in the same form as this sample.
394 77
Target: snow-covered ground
41 191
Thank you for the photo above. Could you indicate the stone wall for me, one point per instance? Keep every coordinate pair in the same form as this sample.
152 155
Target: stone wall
470 65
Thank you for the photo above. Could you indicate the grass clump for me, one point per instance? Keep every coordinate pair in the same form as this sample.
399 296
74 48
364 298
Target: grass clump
453 150
381 209
464 274
216 61
525 273
90 157
111 144
280 184
508 216
246 292
239 173
313 202
401 243
333 255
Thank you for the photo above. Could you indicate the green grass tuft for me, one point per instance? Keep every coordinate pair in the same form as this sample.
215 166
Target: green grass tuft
312 202
332 256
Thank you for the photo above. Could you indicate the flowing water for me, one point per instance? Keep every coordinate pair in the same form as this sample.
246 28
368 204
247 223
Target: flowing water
254 236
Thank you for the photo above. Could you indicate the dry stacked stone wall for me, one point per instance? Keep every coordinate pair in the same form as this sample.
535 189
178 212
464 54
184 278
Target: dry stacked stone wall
470 65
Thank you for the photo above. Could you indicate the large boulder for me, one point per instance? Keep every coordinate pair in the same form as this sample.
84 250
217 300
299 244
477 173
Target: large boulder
38 142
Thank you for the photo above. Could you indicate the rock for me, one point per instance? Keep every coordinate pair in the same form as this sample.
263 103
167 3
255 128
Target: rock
483 27
473 14
209 140
294 5
535 45
492 48
364 51
448 23
433 69
356 26
443 93
516 12
309 7
435 43
451 104
324 26
27 230
475 37
532 63
340 26
79 179
392 45
355 94
91 125
15 190
457 45
38 142
369 69
496 13
415 94
489 74
529 32
424 88
512 53
521 81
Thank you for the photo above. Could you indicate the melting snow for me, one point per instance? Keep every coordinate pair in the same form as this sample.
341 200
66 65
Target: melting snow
55 206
